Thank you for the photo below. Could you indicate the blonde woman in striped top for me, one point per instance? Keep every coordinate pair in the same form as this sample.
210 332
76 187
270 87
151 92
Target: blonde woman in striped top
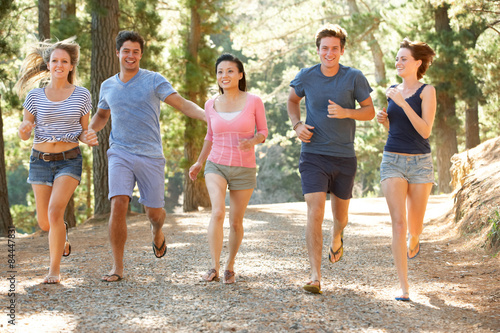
59 115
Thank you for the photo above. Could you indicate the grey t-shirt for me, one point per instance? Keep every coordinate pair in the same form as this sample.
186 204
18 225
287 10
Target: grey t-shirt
135 111
333 137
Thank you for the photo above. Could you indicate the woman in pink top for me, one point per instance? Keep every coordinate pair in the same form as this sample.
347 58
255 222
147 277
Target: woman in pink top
232 117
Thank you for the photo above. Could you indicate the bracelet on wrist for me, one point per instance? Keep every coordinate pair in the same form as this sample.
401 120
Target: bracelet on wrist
297 124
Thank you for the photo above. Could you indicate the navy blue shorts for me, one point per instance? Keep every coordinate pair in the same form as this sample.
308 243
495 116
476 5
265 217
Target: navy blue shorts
330 174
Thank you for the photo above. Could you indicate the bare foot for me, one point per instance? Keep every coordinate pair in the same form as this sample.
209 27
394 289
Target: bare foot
52 279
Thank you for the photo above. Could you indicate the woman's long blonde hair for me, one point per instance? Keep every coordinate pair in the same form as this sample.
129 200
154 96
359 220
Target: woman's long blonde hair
34 68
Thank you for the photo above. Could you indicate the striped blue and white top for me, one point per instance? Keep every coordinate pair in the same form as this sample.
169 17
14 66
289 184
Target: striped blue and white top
58 121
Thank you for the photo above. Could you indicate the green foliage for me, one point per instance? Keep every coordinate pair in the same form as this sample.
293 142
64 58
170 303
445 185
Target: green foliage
143 16
278 178
493 239
24 218
17 185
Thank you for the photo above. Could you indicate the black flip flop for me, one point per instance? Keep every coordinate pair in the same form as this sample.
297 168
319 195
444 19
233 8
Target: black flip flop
157 249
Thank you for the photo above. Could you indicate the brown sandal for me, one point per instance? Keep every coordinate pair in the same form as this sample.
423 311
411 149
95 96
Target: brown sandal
229 277
210 276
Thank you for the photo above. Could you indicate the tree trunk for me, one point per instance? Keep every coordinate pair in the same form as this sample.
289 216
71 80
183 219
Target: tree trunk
377 54
446 120
69 214
43 19
5 217
68 9
195 193
104 64
472 125
446 139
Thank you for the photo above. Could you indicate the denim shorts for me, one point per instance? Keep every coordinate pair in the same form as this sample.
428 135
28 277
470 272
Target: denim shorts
238 178
125 169
329 174
44 173
415 169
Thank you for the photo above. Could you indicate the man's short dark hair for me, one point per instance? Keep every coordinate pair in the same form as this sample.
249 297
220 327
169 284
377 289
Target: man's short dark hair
132 36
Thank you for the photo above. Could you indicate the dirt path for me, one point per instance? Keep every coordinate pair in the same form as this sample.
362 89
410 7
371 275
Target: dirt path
455 288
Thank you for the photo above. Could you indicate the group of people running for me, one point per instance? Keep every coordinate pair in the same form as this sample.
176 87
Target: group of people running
58 113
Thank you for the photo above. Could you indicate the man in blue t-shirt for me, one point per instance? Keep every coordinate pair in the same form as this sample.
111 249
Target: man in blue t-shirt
327 159
132 99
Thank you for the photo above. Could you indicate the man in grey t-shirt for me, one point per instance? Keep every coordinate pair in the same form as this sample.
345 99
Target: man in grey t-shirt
327 160
132 99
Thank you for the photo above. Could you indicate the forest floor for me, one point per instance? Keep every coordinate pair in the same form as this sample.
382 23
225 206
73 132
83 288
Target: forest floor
455 285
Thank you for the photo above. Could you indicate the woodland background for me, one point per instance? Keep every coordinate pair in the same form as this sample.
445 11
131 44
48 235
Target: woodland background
275 39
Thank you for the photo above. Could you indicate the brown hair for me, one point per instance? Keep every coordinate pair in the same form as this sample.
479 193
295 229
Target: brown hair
419 51
331 30
132 36
34 68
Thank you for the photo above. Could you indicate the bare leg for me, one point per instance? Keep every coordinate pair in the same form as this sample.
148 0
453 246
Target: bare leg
42 198
340 212
314 234
156 217
418 195
238 204
395 191
117 234
62 189
216 186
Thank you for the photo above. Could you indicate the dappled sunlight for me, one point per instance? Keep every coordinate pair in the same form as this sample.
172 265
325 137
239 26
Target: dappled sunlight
56 321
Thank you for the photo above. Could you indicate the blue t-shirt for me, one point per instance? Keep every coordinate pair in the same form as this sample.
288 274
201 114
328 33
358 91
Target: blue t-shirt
333 137
135 111
403 137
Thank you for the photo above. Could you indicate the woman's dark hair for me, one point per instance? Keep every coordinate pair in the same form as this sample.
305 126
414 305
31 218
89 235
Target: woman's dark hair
132 36
419 51
242 84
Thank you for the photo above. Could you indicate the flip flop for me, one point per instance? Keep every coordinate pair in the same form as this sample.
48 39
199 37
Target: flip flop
413 250
66 244
58 279
403 298
229 277
312 288
212 276
158 249
119 278
333 254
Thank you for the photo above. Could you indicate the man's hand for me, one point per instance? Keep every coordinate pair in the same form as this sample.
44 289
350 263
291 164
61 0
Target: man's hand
336 111
303 132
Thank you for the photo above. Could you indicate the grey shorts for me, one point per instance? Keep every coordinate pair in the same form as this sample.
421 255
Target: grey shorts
238 178
415 169
126 169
